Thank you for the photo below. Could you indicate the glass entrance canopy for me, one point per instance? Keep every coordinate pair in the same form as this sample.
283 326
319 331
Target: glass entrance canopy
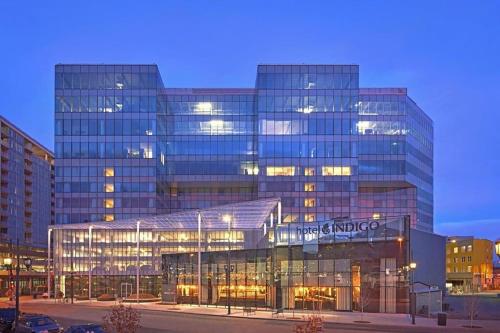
110 254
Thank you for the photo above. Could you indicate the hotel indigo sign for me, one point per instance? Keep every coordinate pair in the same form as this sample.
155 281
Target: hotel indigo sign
337 227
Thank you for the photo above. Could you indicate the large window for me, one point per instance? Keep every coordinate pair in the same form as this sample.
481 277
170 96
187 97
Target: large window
280 171
336 171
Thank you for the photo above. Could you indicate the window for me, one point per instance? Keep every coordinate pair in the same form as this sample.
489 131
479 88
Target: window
463 259
310 202
455 260
109 172
448 260
108 188
336 171
469 269
280 171
309 217
108 217
309 187
309 171
469 248
455 250
469 258
376 216
109 203
463 248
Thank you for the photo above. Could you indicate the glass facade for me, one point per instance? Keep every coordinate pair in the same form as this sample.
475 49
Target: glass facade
206 147
112 255
105 141
127 146
347 265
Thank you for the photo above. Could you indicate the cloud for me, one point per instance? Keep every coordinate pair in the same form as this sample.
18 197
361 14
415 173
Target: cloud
485 228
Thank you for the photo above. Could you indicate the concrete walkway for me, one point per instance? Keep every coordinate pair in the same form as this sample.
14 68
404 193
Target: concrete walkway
400 320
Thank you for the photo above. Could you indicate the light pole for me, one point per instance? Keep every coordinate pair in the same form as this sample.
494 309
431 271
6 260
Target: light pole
28 263
227 218
71 274
17 280
8 264
413 305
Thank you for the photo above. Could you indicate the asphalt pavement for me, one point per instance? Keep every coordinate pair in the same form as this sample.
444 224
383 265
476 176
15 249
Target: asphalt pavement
171 321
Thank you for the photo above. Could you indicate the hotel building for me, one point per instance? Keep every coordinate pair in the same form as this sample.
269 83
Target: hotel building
143 170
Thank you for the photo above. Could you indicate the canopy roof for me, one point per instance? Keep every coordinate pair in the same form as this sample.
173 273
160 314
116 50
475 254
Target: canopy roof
244 215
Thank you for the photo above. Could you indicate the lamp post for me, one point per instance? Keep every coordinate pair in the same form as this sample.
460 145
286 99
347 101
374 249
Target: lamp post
8 264
413 305
228 268
71 275
17 280
28 263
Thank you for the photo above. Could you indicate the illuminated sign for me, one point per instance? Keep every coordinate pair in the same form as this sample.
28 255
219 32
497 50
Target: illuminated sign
338 227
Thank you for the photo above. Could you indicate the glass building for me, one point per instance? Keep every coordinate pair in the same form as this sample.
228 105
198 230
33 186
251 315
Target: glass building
127 146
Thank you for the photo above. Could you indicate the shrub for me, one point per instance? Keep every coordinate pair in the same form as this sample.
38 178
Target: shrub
122 319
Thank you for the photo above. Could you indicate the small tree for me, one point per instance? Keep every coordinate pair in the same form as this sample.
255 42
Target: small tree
122 319
471 307
365 298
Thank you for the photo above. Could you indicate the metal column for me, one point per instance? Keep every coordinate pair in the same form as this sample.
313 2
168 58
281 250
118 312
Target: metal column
199 259
90 263
48 262
138 264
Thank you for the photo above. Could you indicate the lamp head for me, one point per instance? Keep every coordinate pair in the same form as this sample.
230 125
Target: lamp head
413 265
27 262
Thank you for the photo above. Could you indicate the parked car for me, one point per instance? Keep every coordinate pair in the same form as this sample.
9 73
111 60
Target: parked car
85 328
37 323
39 291
7 317
46 294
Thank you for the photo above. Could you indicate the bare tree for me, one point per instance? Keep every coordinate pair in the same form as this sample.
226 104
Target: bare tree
122 319
471 307
365 298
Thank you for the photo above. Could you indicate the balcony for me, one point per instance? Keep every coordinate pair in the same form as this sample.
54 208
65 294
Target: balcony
4 154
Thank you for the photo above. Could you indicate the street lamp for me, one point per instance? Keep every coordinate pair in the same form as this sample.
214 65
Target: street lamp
28 263
8 264
228 268
412 267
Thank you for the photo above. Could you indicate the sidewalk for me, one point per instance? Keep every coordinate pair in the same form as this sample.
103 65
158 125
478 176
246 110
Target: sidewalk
329 317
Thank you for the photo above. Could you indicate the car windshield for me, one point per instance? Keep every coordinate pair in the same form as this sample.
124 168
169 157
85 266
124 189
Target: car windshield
40 321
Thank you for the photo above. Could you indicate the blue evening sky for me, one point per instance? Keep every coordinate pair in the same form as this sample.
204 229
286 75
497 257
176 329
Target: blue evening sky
447 53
